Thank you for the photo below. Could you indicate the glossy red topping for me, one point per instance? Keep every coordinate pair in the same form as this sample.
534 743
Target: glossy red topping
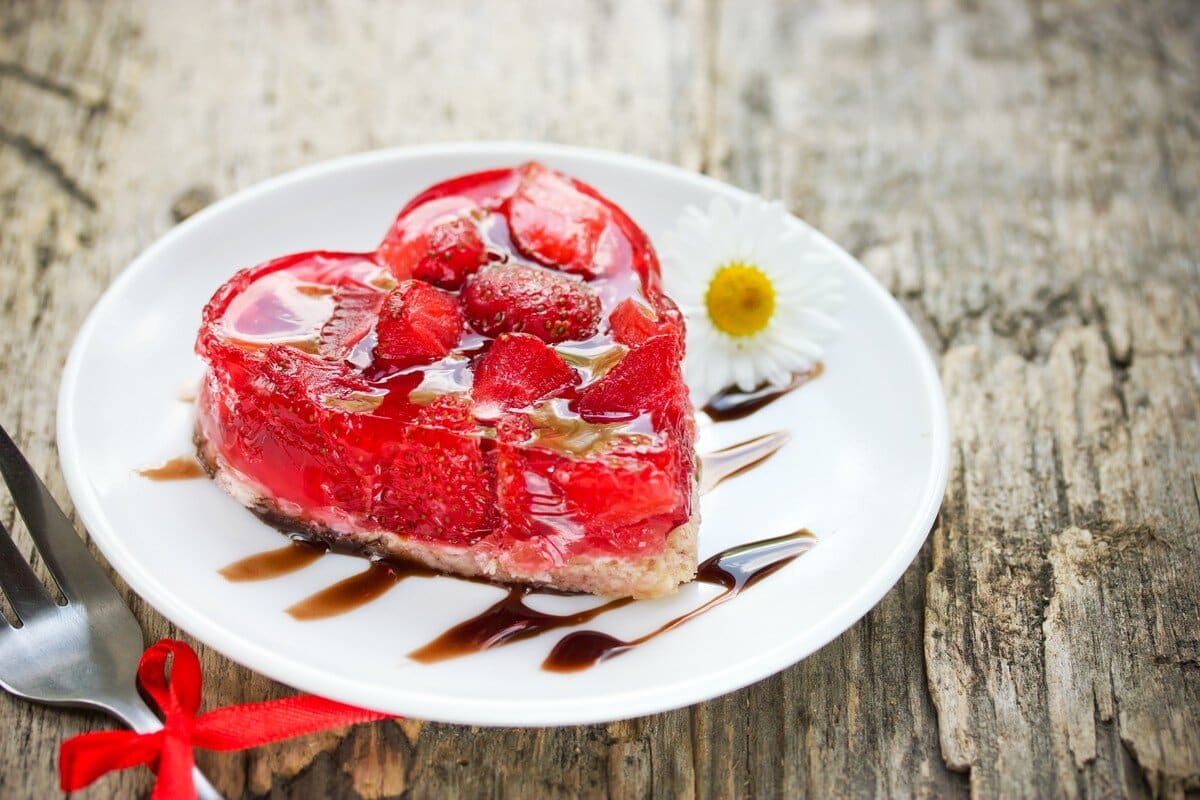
502 373
355 310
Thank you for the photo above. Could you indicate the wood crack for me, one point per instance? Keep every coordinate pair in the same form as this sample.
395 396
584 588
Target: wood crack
66 91
40 159
1195 493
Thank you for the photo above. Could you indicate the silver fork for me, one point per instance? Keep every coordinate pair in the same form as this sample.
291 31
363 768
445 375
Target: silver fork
81 653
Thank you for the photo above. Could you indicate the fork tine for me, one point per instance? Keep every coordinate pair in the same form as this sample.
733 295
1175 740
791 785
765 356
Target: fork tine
22 588
77 573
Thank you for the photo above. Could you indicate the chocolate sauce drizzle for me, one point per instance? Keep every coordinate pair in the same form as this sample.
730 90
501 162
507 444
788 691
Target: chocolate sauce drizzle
733 403
355 591
735 569
720 465
273 563
507 621
511 619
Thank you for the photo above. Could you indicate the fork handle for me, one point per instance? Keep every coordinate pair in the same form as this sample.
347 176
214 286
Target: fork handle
134 712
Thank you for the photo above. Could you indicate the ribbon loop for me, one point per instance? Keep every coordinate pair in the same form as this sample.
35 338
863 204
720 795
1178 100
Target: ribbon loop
177 692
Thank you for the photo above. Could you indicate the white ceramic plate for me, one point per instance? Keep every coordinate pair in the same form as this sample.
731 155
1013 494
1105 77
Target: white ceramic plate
865 471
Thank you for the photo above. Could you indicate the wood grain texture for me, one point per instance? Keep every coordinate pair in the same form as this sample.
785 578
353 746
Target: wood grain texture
1023 176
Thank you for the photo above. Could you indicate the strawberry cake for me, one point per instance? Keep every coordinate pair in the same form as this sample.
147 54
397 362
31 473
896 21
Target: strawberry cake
495 392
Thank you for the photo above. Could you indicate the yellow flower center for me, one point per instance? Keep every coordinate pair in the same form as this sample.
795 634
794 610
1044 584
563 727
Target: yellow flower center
740 299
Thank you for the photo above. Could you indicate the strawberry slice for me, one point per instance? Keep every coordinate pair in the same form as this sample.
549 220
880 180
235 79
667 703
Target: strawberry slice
515 298
643 380
632 322
355 309
519 369
554 223
438 243
418 324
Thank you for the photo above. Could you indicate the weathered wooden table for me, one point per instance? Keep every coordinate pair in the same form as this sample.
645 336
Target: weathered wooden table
1023 176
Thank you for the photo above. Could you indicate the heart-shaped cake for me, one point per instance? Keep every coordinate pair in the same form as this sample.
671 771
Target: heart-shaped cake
495 392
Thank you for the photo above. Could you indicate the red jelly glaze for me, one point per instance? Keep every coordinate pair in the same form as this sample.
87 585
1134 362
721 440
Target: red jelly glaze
298 405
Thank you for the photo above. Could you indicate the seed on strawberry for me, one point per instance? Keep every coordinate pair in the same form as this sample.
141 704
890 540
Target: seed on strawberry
517 298
418 324
450 412
520 369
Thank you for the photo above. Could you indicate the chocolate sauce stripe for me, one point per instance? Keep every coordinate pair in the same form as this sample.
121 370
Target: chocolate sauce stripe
733 403
511 619
179 468
269 564
506 621
349 593
582 649
721 465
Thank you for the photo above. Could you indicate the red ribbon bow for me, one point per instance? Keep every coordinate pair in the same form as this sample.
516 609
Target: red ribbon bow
85 758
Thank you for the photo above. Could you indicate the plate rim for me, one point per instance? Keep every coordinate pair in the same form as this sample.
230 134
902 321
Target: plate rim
446 708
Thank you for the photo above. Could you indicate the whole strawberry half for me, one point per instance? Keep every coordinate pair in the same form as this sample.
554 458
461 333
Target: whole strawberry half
453 250
514 298
418 324
439 244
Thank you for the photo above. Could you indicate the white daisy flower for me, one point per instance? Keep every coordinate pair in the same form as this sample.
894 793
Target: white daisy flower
759 295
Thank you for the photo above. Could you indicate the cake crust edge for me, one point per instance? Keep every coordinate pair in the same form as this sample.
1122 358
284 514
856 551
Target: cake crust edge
606 576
